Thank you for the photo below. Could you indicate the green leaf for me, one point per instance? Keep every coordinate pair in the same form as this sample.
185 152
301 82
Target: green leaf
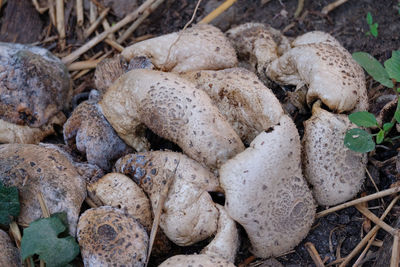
392 66
374 29
363 119
373 67
380 136
398 90
369 18
397 116
41 238
388 126
359 140
9 204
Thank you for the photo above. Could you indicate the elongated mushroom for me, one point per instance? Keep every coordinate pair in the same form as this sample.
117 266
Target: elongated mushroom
196 260
335 171
108 236
266 193
9 256
240 96
172 108
33 169
189 214
197 48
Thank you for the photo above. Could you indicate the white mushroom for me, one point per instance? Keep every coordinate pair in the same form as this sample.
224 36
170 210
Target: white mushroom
9 256
335 171
196 260
266 193
197 48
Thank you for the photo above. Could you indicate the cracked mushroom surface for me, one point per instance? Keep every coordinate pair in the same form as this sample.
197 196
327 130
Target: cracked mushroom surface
189 214
200 47
335 171
107 236
266 192
10 256
248 105
33 169
172 108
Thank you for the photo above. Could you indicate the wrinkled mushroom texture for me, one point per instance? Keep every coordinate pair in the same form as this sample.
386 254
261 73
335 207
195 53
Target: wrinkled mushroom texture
23 134
34 85
196 260
172 108
226 242
189 214
90 133
266 193
9 256
247 104
118 190
107 237
328 70
199 47
33 169
335 171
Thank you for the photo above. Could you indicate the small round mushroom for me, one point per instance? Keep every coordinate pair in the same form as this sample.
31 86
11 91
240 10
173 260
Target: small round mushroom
196 260
266 193
200 47
118 190
189 214
172 108
335 171
9 256
33 169
240 96
107 236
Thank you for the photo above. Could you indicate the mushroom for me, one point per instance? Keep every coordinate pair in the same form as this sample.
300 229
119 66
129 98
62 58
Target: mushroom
266 193
189 214
172 108
196 260
108 236
240 96
34 87
197 48
118 190
335 171
88 131
328 70
9 256
226 242
34 169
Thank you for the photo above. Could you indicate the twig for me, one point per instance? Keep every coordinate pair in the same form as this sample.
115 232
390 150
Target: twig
130 17
216 12
366 225
394 261
314 254
376 220
79 12
92 12
35 3
60 19
107 26
114 45
300 6
90 202
43 205
16 233
332 6
247 261
359 200
96 23
52 12
83 72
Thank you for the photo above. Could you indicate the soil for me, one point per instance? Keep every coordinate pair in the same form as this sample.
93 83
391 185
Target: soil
334 235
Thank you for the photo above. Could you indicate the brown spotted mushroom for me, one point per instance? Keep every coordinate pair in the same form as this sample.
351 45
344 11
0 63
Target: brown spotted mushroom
9 256
108 236
196 260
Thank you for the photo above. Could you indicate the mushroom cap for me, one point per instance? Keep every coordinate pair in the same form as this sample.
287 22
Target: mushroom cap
89 131
189 214
335 171
248 105
196 260
266 193
118 190
107 236
315 37
328 70
9 256
33 169
200 47
34 85
172 108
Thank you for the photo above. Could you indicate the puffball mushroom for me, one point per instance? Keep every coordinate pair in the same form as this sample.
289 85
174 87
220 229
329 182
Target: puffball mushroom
266 193
33 169
172 108
200 47
335 171
196 260
9 256
247 104
189 214
107 236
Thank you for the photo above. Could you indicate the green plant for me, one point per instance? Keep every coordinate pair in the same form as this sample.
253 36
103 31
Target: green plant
388 75
9 204
373 26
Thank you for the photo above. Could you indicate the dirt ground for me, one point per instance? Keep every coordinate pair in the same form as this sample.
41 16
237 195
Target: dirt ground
338 233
